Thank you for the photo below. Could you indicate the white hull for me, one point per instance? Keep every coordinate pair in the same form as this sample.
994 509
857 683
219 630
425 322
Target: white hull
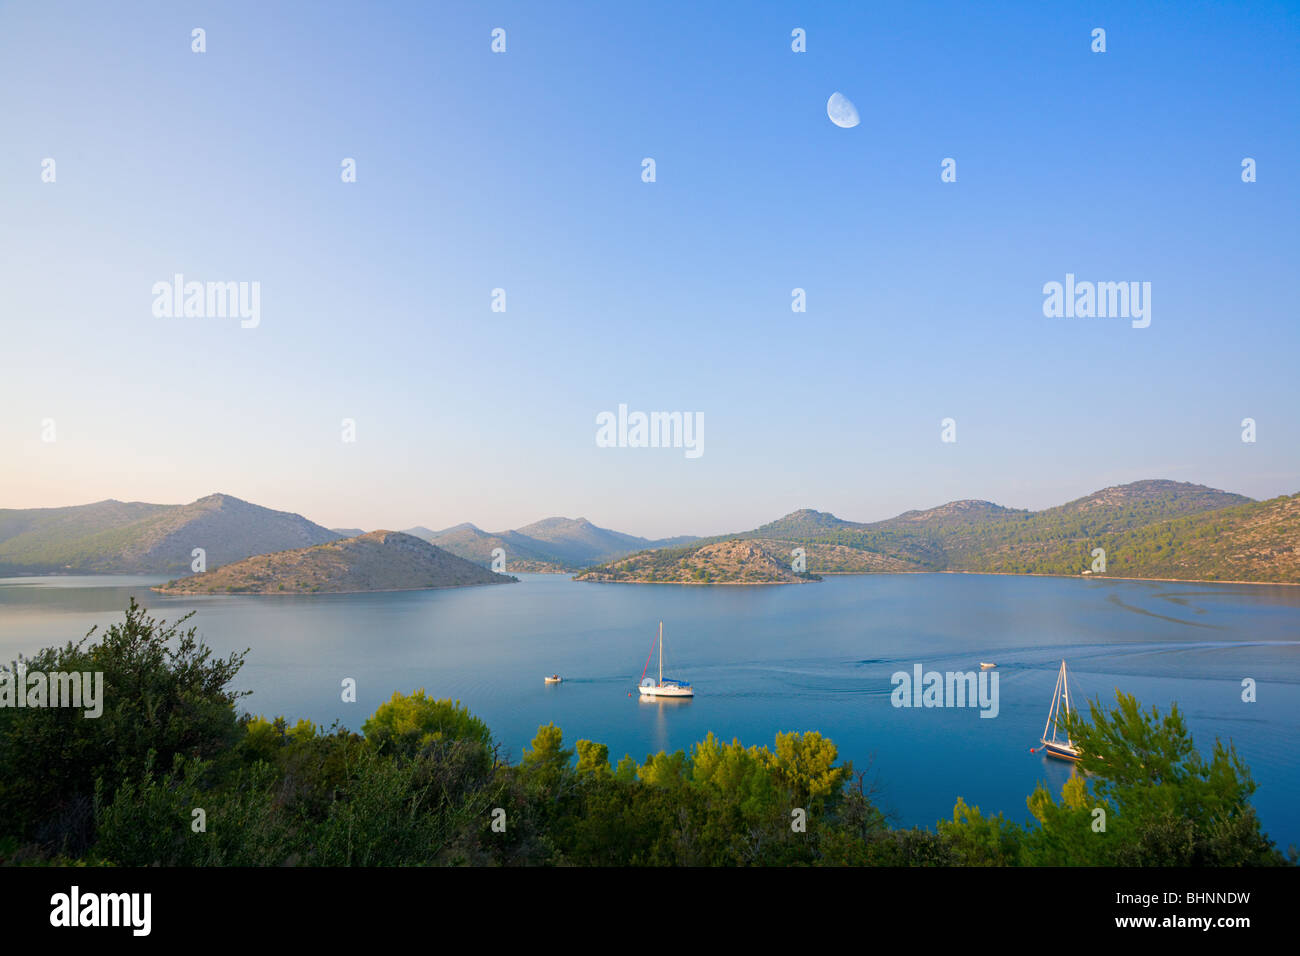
1061 751
665 690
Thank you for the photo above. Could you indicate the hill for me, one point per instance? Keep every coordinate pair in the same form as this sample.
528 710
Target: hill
1128 521
475 545
552 544
722 562
1056 540
1153 528
136 537
378 561
1258 541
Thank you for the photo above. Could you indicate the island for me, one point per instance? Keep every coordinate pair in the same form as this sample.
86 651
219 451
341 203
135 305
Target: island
377 561
734 561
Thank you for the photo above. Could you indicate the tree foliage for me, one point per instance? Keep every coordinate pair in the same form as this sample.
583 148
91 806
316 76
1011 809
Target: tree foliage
164 695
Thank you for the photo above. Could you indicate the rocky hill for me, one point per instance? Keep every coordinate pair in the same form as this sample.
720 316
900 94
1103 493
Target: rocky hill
378 561
721 562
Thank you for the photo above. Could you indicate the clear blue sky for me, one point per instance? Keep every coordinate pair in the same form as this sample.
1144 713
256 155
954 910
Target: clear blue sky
523 171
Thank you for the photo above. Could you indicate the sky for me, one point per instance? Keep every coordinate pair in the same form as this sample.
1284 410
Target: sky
522 170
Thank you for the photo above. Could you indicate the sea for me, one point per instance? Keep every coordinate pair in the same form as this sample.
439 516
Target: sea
763 659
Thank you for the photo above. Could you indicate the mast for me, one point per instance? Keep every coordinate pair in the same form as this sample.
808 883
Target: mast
1051 711
1066 683
661 652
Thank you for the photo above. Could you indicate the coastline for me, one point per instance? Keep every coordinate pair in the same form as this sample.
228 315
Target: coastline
433 587
1117 577
717 584
1006 574
1010 574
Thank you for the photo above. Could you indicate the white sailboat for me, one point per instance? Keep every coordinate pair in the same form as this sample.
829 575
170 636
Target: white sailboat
664 687
1061 750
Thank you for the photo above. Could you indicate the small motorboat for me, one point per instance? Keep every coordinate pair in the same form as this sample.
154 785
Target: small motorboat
985 665
554 679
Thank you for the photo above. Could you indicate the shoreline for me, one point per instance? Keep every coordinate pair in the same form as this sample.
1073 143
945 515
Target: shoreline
443 587
1004 574
434 587
716 584
1117 577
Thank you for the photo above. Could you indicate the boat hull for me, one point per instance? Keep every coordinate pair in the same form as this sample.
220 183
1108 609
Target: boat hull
665 690
1060 751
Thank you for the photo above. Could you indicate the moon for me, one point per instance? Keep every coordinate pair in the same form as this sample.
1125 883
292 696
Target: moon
842 111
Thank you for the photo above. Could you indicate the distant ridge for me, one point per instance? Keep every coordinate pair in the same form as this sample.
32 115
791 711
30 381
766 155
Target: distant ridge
117 537
955 511
1152 528
551 544
377 561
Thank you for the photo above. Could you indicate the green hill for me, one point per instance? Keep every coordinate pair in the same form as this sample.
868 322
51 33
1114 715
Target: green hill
1258 541
135 537
1148 529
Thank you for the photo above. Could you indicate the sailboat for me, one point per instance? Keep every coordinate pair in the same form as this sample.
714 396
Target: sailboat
649 687
1061 750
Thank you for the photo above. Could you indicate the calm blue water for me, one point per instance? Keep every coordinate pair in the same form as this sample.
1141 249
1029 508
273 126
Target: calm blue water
763 659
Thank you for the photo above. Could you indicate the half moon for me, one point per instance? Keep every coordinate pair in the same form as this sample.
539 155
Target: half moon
842 111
